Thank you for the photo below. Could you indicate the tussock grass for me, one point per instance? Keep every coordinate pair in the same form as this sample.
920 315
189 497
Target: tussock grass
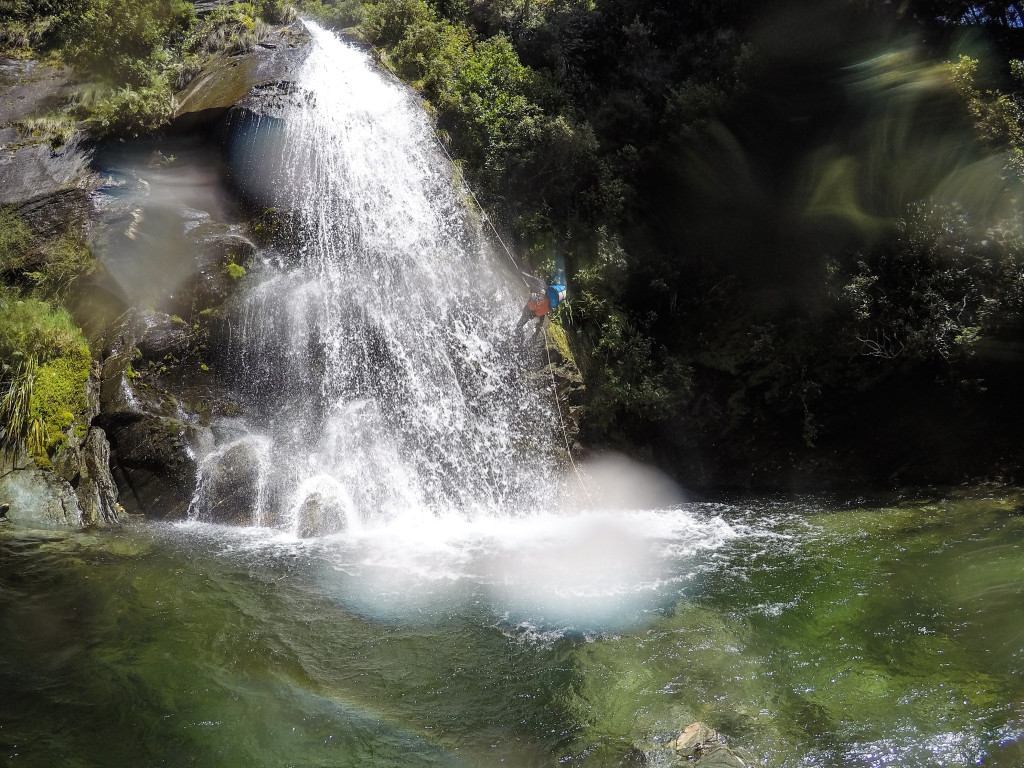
56 129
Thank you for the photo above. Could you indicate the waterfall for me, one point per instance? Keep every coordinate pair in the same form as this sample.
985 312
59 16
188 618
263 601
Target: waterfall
376 359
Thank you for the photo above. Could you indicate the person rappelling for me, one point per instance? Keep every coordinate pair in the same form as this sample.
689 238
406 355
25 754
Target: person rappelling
544 297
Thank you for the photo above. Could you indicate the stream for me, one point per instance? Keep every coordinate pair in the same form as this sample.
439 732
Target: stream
808 633
417 578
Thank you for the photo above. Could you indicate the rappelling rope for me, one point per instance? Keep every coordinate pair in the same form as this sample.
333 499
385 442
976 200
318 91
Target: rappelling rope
561 421
508 252
382 58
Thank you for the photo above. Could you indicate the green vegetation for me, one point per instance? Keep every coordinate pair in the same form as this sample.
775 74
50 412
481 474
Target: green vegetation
21 428
44 358
764 235
46 267
45 362
59 396
130 55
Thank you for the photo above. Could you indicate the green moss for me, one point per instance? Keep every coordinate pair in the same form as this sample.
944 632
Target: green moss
560 341
234 271
59 395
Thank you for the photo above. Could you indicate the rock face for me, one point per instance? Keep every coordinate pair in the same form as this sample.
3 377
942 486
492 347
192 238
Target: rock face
155 440
48 185
162 368
256 78
39 498
50 188
177 249
552 361
78 491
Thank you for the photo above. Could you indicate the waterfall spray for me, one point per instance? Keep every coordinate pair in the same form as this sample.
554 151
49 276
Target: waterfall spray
376 361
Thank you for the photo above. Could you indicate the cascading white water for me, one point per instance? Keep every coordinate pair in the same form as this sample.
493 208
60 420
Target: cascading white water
378 362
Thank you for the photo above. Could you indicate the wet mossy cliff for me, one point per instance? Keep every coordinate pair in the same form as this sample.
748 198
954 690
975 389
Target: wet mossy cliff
162 231
117 259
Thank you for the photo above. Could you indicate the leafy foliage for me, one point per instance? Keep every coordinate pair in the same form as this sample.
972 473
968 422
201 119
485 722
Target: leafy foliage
133 54
936 289
31 328
20 428
760 229
45 362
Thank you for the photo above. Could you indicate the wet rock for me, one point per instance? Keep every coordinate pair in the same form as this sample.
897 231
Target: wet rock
85 465
215 250
702 747
320 516
558 366
227 80
39 498
231 485
96 490
49 186
156 469
163 336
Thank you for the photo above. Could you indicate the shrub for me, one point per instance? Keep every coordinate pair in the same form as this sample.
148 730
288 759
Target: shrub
132 112
15 240
19 428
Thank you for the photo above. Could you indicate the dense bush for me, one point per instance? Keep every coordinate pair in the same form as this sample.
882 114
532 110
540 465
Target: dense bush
131 54
766 215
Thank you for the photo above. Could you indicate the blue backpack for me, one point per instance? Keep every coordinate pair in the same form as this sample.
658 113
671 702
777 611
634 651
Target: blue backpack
556 295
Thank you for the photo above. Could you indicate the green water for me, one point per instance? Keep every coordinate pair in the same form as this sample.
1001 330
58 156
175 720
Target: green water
809 635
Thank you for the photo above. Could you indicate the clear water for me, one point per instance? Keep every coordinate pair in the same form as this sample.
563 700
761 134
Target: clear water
809 634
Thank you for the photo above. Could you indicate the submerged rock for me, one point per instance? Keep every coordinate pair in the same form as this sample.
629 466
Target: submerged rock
702 747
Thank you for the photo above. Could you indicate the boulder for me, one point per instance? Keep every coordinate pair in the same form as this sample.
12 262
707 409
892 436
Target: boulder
39 498
153 464
320 515
262 75
702 747
230 488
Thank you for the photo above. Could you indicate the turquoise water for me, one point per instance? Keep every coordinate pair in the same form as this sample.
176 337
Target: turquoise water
809 634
